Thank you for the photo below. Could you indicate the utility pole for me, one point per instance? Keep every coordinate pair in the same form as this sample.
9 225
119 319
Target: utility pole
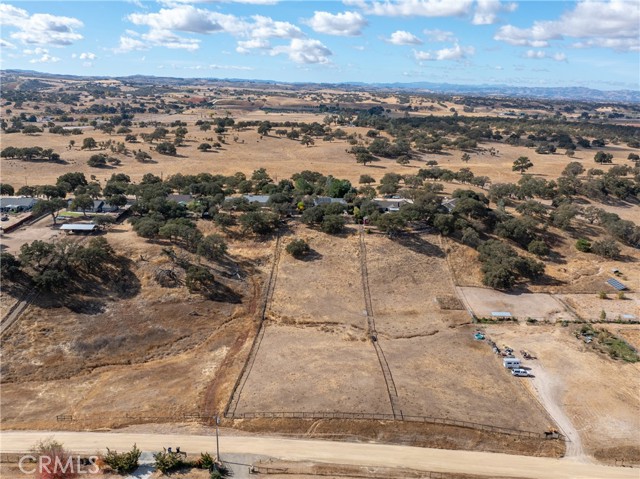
217 439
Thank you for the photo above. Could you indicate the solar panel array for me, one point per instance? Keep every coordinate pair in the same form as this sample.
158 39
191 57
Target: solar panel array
616 284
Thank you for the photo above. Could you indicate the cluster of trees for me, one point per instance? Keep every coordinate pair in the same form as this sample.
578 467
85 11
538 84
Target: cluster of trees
30 153
502 266
433 133
52 266
620 181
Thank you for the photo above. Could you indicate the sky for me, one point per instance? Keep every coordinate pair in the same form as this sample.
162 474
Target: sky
587 43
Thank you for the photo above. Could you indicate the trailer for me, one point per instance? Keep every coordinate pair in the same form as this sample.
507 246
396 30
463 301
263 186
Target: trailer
511 363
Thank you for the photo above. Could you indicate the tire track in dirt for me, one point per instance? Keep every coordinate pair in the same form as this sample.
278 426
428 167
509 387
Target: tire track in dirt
544 387
373 334
234 399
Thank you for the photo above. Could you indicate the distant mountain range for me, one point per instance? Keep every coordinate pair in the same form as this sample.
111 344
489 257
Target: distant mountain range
501 91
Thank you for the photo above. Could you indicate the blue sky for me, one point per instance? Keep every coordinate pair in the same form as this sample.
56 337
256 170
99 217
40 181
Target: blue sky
534 43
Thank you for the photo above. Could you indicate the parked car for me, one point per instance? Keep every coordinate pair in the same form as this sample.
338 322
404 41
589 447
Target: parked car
4 218
520 372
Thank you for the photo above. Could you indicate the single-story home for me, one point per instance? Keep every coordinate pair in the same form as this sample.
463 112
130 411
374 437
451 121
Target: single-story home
391 204
16 204
180 199
450 203
327 200
260 199
99 206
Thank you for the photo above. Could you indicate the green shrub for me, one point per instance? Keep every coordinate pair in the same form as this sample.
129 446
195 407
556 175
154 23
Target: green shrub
583 245
123 463
169 461
539 248
607 248
298 248
332 224
602 295
206 461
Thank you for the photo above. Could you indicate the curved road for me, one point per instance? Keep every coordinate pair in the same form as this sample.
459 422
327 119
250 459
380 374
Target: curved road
363 454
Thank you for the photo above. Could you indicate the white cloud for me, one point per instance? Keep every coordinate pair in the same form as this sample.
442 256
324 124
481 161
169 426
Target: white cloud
305 51
414 8
343 24
540 54
43 56
184 18
487 11
401 37
265 27
128 44
87 56
454 53
439 35
537 54
6 44
250 2
619 44
40 28
614 24
167 39
245 46
230 67
537 36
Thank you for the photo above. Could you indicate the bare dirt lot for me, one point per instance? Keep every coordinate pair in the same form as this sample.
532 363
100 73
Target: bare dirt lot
599 395
407 277
590 306
451 375
439 370
102 357
311 370
325 288
540 306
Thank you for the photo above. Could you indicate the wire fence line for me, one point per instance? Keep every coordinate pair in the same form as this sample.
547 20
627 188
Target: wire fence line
234 397
373 334
208 418
351 472
391 417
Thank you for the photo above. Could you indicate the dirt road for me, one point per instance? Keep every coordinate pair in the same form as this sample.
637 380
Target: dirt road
438 460
547 390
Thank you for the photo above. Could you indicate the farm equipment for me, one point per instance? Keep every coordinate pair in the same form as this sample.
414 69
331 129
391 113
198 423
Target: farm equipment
551 433
527 355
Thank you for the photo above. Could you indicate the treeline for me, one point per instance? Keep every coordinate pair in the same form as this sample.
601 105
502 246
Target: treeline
30 153
535 132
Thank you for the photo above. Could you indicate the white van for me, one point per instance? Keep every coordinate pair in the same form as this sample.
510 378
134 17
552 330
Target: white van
520 372
511 363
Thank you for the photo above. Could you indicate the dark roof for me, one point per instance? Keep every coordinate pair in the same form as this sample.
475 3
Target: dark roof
24 201
180 198
386 204
262 199
326 200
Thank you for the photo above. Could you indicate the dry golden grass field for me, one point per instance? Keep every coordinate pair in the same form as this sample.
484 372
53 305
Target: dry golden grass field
132 348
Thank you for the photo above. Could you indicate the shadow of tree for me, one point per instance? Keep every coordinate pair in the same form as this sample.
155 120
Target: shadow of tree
419 245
